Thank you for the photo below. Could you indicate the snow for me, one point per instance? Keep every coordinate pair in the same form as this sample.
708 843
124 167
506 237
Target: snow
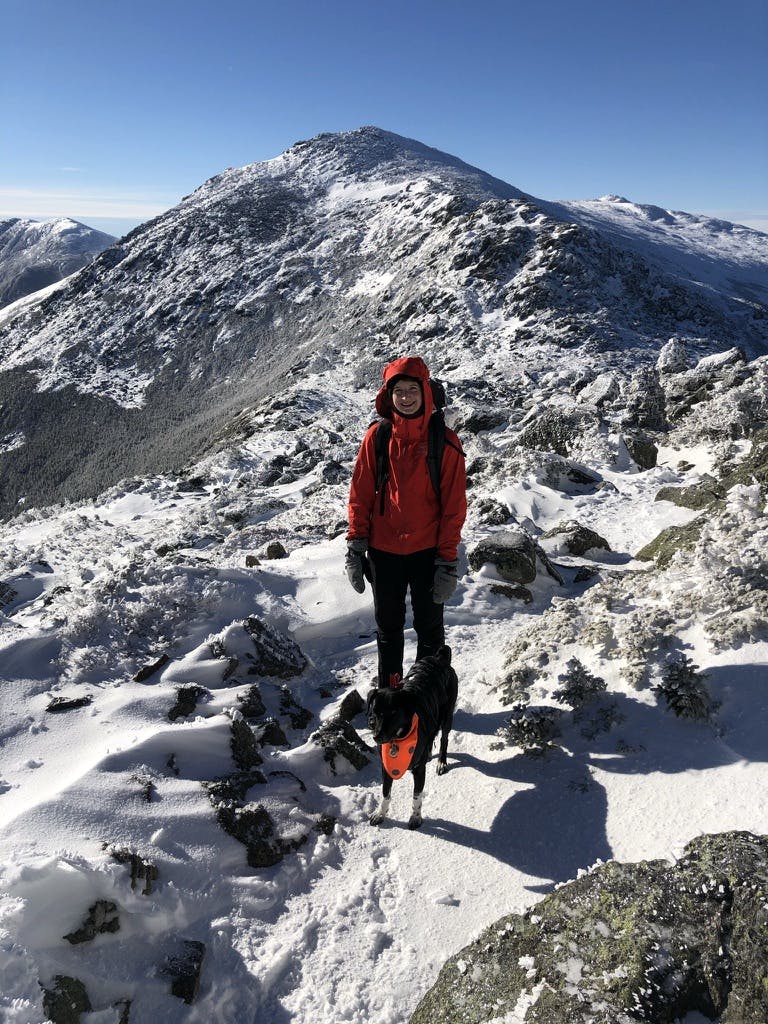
353 926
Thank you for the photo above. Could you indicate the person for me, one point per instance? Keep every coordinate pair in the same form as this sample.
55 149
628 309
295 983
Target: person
404 535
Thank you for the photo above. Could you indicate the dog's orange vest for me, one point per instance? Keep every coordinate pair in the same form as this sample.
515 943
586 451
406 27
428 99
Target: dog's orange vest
397 755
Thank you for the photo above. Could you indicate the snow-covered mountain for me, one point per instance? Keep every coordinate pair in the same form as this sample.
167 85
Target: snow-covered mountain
35 254
338 251
185 773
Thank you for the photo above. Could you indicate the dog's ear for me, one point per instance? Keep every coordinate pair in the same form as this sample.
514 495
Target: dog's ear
445 655
369 700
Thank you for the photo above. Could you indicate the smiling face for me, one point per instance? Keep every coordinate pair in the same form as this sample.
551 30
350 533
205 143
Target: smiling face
407 397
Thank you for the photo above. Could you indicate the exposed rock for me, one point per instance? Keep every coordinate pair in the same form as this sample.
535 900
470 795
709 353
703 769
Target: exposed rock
603 390
626 942
243 743
149 670
570 477
696 496
641 449
578 539
146 783
299 717
276 654
275 550
184 970
518 593
66 1001
556 431
270 733
102 918
491 512
513 552
141 870
645 401
473 421
251 702
251 561
7 595
187 698
666 544
339 739
351 706
673 357
218 651
585 573
60 704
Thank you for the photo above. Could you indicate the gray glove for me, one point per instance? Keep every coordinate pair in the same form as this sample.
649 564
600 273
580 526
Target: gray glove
446 577
356 563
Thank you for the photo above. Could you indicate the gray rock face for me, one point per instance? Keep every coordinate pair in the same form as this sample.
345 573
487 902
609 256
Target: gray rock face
513 552
275 654
577 538
627 942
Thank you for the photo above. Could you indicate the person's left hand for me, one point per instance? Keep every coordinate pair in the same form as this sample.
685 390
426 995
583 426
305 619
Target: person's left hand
446 577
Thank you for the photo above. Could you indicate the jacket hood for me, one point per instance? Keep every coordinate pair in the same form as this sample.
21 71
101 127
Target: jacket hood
408 366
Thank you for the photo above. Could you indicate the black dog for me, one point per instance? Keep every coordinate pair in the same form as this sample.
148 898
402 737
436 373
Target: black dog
429 693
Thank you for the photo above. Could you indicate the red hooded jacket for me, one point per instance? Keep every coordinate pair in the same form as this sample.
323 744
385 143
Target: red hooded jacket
413 518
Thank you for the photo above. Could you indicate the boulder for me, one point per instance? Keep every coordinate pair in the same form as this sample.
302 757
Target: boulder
697 496
275 654
650 941
640 449
513 552
184 970
59 704
576 538
101 918
673 357
66 1000
339 739
187 699
666 544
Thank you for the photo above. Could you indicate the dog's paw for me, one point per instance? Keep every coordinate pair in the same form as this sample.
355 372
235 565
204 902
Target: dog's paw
415 821
442 767
376 818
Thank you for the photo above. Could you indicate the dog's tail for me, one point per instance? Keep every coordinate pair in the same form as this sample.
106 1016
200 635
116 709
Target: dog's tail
444 654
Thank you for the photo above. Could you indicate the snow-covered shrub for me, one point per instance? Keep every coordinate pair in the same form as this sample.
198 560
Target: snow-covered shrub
531 728
682 687
578 685
516 684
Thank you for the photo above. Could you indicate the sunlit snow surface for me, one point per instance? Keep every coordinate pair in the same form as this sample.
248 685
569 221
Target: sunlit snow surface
354 926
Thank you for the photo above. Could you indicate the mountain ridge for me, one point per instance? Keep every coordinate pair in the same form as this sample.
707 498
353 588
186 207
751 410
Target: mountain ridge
346 246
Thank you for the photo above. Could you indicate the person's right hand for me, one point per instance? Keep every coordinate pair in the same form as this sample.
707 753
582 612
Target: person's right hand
355 561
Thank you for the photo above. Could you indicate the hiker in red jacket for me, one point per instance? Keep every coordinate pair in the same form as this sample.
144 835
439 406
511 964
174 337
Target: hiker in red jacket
402 533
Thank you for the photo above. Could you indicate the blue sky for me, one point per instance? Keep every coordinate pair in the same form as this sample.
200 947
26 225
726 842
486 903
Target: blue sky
115 109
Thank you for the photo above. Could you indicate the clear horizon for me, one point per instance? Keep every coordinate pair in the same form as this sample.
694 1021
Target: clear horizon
113 114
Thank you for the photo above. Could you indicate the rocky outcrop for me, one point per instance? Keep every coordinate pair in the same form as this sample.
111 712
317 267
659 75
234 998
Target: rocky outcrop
651 941
274 654
514 553
576 538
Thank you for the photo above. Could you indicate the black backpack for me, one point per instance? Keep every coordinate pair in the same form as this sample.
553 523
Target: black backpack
436 442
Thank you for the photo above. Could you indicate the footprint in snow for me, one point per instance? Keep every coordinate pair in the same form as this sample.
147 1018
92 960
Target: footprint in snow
32 763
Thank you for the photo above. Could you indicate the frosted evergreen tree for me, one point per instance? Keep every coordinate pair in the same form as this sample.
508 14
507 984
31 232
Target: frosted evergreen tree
683 688
579 685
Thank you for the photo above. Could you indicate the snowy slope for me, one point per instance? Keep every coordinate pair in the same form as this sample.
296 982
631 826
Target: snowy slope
335 252
355 923
36 254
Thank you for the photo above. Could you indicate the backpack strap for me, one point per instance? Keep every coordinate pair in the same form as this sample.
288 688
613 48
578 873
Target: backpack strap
435 448
383 434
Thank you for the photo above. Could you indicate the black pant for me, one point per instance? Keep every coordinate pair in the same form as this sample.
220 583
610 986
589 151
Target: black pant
392 575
